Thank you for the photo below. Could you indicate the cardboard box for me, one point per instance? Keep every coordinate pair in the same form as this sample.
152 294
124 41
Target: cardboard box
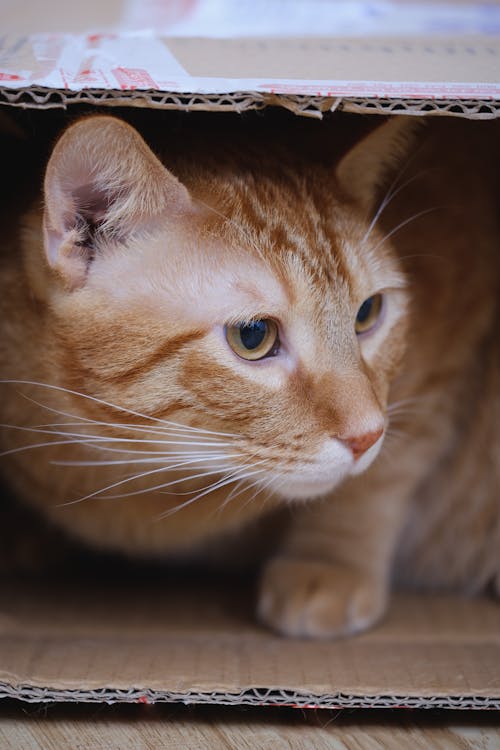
152 642
146 642
310 57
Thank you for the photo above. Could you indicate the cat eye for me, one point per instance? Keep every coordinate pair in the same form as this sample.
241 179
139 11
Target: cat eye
255 340
369 313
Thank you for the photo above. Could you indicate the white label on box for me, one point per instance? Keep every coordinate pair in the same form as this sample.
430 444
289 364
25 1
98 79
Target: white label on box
375 48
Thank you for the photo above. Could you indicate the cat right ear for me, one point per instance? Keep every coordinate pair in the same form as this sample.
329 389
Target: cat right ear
102 183
364 169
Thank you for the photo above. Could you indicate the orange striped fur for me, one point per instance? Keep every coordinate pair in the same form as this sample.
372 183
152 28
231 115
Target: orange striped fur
152 437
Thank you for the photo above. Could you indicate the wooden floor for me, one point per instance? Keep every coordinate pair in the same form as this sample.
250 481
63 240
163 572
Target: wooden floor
91 727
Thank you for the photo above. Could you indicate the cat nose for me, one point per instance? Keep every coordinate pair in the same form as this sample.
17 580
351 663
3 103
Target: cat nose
360 444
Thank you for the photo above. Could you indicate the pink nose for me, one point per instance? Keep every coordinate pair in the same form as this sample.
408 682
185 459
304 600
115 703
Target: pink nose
361 443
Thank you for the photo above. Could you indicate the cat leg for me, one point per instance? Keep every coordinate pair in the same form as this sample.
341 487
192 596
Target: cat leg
332 575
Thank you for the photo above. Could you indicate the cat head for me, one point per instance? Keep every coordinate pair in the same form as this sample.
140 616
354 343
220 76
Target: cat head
261 306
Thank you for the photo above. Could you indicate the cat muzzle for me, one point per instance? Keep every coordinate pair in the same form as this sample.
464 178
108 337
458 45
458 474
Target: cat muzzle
360 444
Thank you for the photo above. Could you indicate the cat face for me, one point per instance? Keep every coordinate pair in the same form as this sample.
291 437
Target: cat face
265 312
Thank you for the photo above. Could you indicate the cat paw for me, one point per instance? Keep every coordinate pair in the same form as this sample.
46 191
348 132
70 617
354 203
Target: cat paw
318 600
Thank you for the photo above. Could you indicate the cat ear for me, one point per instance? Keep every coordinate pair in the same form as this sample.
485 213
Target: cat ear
102 181
365 168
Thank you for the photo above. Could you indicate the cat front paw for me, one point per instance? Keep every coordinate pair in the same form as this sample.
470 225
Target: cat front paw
310 599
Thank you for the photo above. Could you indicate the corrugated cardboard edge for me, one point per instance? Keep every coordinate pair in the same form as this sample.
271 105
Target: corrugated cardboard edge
48 98
248 697
45 98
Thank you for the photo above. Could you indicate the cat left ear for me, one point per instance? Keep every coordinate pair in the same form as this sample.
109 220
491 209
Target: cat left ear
365 168
102 182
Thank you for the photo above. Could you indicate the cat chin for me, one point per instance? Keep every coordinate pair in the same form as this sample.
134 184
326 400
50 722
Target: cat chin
330 466
303 486
295 490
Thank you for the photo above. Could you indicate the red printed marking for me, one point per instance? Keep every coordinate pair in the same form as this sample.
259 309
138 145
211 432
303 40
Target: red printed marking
104 78
385 89
9 77
169 85
87 75
94 39
134 78
142 699
64 79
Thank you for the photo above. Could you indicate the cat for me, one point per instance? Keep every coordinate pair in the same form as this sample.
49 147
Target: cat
192 343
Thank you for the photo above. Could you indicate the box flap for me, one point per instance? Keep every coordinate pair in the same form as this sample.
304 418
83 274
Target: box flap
182 643
412 67
202 54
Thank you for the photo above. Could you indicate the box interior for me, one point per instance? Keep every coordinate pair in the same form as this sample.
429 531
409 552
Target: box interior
108 632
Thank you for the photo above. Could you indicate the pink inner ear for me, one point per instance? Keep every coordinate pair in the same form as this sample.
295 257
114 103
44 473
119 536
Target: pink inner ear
68 244
102 180
53 241
90 203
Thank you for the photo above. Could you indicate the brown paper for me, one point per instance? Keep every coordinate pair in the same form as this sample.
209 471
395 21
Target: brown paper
153 643
159 642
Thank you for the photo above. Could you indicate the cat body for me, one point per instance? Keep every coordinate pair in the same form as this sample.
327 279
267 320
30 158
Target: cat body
127 304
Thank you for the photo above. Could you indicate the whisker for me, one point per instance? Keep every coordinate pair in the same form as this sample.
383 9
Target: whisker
159 487
403 224
23 448
389 196
232 495
112 439
216 486
102 402
161 459
404 401
166 432
424 255
237 490
234 492
241 467
397 435
392 431
104 448
277 476
259 488
127 480
112 486
281 482
406 408
403 414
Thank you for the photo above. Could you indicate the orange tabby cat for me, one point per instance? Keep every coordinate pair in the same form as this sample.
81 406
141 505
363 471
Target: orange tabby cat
183 354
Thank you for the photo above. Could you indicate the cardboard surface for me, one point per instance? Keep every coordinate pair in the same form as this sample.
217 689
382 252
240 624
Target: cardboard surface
148 643
464 67
268 52
182 643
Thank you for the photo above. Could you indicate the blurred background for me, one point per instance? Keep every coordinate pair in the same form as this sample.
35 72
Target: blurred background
253 17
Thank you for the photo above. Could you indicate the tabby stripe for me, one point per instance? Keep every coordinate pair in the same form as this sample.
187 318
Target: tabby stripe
164 351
